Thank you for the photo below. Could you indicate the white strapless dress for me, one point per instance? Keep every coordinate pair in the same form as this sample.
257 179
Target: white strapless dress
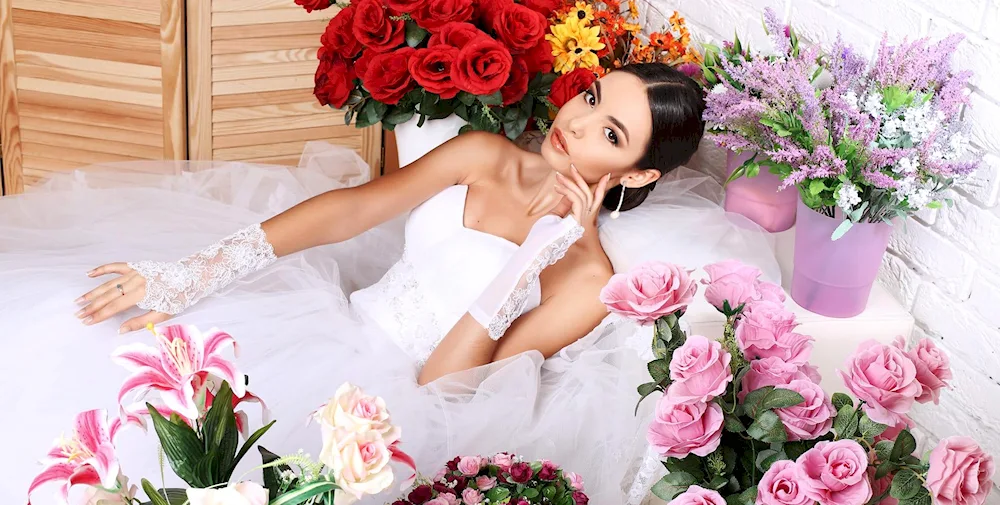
368 311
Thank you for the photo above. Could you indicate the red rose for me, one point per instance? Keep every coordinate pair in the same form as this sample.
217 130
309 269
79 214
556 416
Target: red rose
539 58
520 473
431 68
338 37
488 10
314 5
361 64
421 495
548 472
520 28
543 7
455 35
334 80
374 28
407 6
569 85
453 464
483 66
580 498
437 13
517 84
388 77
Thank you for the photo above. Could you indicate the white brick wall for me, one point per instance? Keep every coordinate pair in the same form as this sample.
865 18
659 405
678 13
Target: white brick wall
945 265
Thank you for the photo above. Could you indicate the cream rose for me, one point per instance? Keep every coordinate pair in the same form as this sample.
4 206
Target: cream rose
241 493
359 462
353 410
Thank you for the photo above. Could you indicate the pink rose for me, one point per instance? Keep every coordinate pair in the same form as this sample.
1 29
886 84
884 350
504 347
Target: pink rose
449 499
521 472
437 501
548 472
679 429
697 495
933 369
833 473
771 292
960 472
881 486
700 370
470 465
485 483
773 371
766 330
471 496
780 485
649 291
733 281
503 460
811 418
884 378
575 481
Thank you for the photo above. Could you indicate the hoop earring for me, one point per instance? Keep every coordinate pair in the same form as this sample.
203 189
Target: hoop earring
621 199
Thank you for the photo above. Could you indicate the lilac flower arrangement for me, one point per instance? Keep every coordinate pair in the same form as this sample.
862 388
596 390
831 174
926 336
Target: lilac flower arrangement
878 141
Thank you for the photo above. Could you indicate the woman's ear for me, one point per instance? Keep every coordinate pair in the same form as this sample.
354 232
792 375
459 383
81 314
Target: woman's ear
639 178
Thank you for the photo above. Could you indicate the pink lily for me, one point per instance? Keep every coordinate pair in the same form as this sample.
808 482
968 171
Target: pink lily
88 457
175 366
242 423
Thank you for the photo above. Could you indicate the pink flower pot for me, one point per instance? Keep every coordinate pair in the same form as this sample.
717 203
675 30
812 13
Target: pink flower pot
833 278
758 198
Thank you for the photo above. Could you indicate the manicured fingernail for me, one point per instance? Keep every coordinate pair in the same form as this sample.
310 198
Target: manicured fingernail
78 301
88 320
122 330
80 312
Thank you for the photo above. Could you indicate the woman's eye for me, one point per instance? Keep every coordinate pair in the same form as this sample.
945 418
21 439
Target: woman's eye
589 97
611 136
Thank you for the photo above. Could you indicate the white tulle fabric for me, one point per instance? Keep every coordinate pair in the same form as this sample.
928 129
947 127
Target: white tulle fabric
367 310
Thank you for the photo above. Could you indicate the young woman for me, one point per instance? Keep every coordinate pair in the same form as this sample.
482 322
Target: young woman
501 271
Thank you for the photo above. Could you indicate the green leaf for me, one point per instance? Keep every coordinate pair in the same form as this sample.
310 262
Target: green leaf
817 186
739 172
495 495
870 429
181 446
762 456
380 110
921 498
733 424
466 98
252 439
885 468
842 229
647 389
665 491
303 493
155 498
515 128
764 463
749 496
530 493
690 465
768 428
272 474
729 456
796 449
753 170
840 399
718 482
905 485
904 446
221 437
845 425
680 479
883 449
659 370
398 116
780 398
753 404
414 34
494 99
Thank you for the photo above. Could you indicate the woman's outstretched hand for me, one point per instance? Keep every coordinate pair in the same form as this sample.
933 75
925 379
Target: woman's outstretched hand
115 296
585 199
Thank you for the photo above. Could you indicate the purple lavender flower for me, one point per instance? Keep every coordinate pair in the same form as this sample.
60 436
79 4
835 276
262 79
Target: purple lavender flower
915 65
779 32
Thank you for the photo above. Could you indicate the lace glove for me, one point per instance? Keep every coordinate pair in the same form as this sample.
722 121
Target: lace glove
172 287
504 298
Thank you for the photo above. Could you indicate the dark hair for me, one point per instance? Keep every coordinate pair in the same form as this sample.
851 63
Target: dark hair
676 102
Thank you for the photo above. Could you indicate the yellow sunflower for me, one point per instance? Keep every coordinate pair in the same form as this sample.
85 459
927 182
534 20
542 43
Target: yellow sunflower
582 13
633 9
575 45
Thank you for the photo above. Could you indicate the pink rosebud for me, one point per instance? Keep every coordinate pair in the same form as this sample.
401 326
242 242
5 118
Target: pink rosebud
766 330
933 370
679 429
471 496
810 419
960 472
772 371
697 495
771 292
780 485
503 460
884 378
700 370
649 291
470 465
485 483
834 473
575 481
733 281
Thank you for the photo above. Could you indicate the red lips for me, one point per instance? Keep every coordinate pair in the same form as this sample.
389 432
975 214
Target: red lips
559 141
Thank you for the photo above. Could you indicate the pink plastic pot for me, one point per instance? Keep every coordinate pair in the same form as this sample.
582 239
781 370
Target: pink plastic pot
833 278
758 198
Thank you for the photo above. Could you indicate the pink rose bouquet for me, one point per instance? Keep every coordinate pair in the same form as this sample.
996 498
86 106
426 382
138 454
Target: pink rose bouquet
743 420
501 478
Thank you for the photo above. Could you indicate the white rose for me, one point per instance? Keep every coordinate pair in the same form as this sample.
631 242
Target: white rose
93 495
242 493
359 463
352 410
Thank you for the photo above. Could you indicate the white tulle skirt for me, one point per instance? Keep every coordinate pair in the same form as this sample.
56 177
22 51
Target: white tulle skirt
298 337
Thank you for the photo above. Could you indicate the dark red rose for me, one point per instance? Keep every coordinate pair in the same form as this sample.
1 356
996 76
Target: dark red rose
388 76
548 472
334 80
407 6
420 495
520 473
338 36
314 5
517 84
580 498
543 7
488 10
361 64
520 28
453 464
567 86
431 68
539 58
483 67
455 35
400 502
442 489
437 13
374 28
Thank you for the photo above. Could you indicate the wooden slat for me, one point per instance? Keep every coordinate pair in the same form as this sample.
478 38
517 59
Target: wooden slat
92 131
288 161
89 64
247 5
267 84
92 119
10 131
371 149
316 27
174 95
74 8
252 139
81 156
86 91
254 44
264 17
88 144
40 164
263 71
269 111
91 78
279 149
276 124
199 80
271 97
88 39
43 45
108 26
235 60
81 107
143 5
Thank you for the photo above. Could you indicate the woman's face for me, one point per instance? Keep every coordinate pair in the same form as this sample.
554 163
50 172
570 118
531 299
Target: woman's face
603 130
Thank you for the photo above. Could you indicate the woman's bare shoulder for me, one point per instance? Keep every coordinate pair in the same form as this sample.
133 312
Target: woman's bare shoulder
582 272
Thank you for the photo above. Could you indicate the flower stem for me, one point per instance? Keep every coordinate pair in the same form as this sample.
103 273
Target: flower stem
729 342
